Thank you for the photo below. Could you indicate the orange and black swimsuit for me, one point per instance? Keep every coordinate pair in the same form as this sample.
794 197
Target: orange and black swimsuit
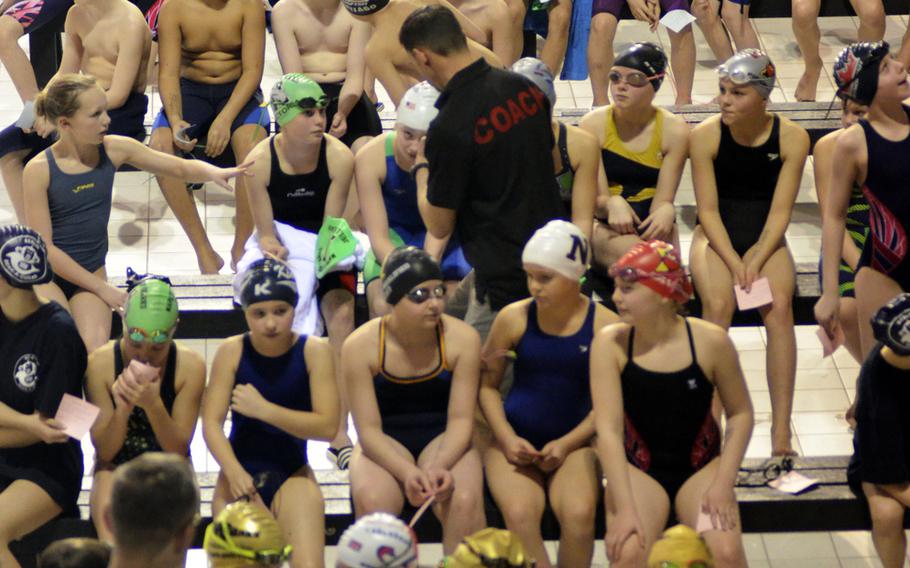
414 410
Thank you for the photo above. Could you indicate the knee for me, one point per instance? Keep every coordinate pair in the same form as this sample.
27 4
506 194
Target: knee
161 141
339 311
887 519
631 556
728 553
781 314
559 17
467 504
369 500
871 14
717 307
578 516
520 513
602 28
803 11
10 32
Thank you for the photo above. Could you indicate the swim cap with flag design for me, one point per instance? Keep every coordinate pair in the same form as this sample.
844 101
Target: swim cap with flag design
656 265
293 94
559 246
856 70
23 257
268 280
417 108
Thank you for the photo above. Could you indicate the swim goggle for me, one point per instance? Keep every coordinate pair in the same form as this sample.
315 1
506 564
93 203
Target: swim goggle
634 79
630 274
219 533
740 76
157 337
310 103
421 295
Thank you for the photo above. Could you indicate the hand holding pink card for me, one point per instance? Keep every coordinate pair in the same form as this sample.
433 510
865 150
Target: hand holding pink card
759 295
77 415
830 345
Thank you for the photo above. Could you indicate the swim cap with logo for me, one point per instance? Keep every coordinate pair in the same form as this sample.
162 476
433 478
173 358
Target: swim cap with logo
891 324
268 280
856 70
417 108
364 7
750 67
23 257
405 268
243 530
489 547
656 265
293 94
680 546
152 308
559 246
646 57
539 74
379 540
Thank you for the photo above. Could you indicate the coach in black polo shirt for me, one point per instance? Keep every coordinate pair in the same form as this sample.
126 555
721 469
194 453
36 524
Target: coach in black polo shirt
489 156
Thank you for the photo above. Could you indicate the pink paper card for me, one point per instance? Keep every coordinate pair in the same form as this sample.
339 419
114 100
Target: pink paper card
704 524
758 296
792 482
77 415
829 346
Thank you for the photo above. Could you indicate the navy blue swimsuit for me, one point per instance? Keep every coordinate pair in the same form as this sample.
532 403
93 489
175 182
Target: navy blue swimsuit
551 394
414 410
271 455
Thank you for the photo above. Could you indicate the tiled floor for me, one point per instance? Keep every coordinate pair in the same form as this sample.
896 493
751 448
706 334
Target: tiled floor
144 235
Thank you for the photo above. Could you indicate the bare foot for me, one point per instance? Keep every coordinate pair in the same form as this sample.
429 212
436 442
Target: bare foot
210 263
808 84
780 443
681 100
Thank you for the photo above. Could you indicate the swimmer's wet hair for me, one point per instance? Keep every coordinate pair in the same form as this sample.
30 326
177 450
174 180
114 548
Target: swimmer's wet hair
434 28
75 553
60 98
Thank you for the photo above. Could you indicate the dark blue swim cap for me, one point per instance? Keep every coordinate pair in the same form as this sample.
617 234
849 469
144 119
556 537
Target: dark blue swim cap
266 280
856 70
646 57
405 268
23 257
891 324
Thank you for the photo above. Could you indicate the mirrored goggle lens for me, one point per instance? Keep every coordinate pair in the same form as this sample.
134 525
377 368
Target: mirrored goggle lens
421 295
632 79
157 337
737 76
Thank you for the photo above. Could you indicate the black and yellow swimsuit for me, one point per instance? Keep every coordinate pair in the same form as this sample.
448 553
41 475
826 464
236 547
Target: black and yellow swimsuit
633 175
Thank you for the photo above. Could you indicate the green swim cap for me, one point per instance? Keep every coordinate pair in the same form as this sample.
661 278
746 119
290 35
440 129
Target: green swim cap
294 93
151 312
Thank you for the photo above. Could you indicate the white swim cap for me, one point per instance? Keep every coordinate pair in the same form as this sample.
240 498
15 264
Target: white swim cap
559 246
417 108
379 540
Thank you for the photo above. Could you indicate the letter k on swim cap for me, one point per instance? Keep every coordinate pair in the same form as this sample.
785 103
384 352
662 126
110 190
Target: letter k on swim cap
23 257
559 246
268 280
293 94
364 7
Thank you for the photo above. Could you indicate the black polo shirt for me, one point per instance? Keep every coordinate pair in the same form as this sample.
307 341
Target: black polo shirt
490 155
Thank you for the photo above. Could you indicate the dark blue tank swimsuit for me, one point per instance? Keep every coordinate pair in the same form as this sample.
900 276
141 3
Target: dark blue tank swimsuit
551 394
414 410
271 455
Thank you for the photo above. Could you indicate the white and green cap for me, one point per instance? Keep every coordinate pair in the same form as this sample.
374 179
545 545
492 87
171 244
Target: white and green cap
293 94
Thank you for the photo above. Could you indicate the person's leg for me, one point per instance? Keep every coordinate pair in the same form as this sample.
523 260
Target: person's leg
726 546
519 494
887 514
92 315
372 487
517 11
11 166
850 324
781 352
337 307
14 59
653 507
242 141
682 61
181 202
713 281
574 492
805 28
463 513
25 507
873 290
378 305
600 55
712 27
100 499
871 14
736 18
300 511
608 246
904 54
554 49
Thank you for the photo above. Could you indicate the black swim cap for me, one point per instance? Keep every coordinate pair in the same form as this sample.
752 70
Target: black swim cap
266 280
646 57
23 257
364 7
856 70
405 268
891 324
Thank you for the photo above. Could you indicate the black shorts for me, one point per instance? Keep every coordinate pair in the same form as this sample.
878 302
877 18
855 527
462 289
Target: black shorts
363 119
69 289
337 281
62 487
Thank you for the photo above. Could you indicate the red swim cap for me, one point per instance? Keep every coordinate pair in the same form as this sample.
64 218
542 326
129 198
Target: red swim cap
655 264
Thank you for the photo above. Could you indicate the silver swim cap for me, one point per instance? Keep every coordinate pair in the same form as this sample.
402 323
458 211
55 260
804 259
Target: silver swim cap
539 74
750 67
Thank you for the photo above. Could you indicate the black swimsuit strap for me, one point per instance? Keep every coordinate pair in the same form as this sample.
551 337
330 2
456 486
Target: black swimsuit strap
630 347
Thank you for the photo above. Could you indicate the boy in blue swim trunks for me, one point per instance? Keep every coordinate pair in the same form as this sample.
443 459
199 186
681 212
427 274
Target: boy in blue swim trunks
121 73
388 196
210 65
